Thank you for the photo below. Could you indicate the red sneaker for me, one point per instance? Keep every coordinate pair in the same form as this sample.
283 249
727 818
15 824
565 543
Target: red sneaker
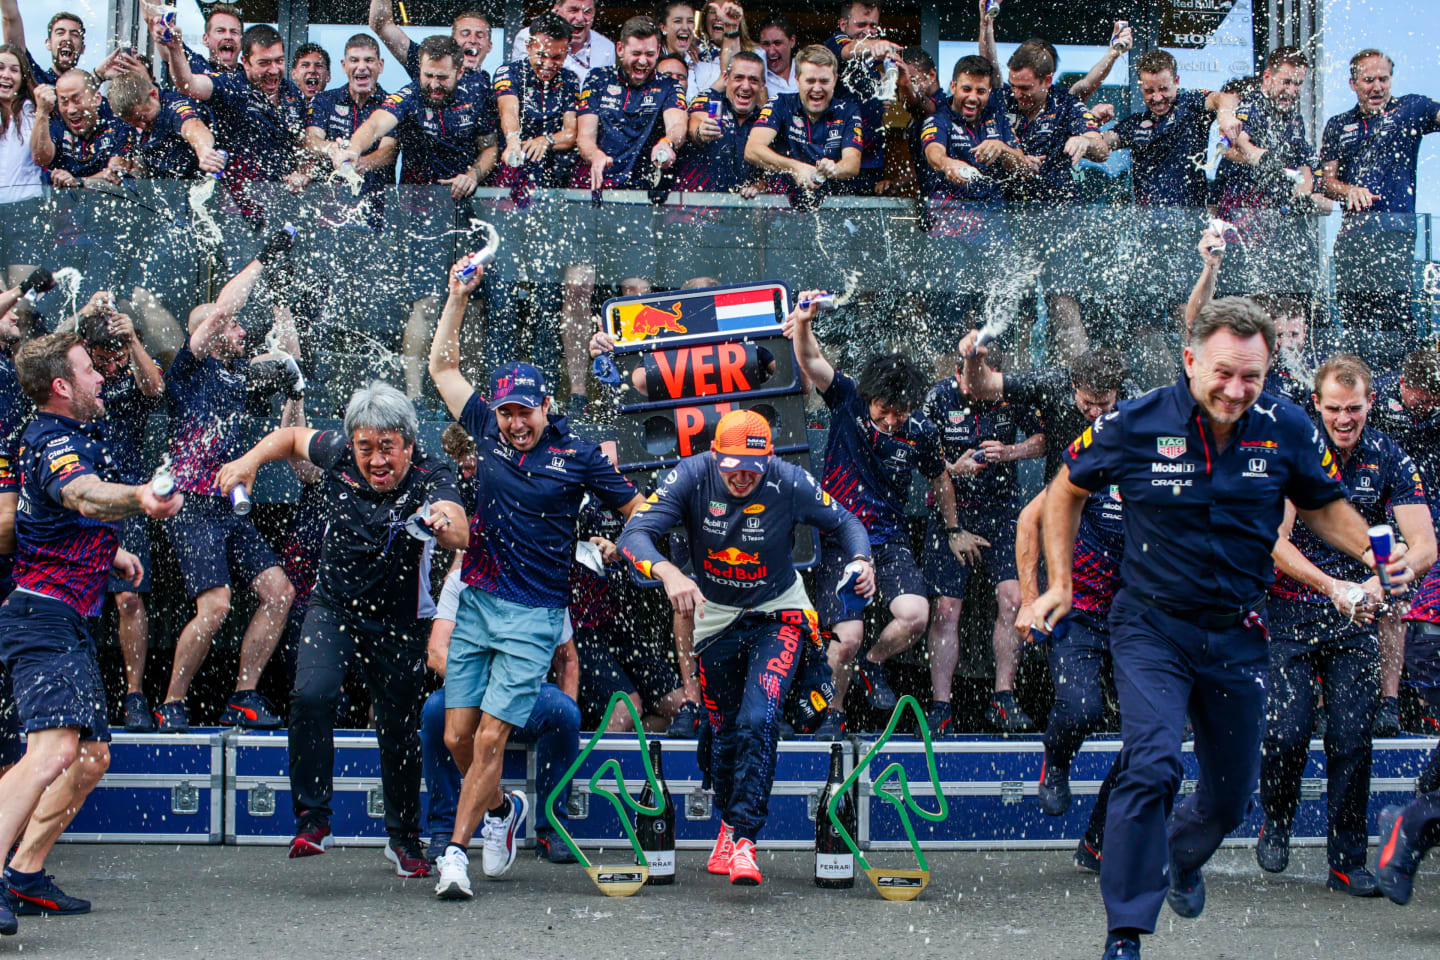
408 858
719 862
311 842
743 870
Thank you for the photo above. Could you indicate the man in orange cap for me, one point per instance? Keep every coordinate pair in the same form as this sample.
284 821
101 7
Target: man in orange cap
755 628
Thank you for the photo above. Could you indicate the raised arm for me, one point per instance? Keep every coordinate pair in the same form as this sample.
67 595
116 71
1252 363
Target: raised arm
148 378
383 24
986 40
196 85
10 20
982 383
799 327
1088 84
1212 252
42 148
454 389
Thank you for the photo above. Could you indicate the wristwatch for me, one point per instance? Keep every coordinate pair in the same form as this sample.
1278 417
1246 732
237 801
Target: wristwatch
550 139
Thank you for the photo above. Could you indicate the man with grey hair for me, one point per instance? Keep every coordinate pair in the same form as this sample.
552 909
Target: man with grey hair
388 507
1204 468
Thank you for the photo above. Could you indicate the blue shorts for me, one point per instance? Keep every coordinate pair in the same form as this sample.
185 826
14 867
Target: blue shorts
135 537
499 655
896 575
947 577
51 658
10 748
215 547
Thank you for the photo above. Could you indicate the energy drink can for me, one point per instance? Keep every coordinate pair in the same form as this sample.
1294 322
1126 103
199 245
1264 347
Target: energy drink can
240 500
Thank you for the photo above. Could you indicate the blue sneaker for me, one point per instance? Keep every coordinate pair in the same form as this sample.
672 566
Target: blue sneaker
1054 789
1398 857
436 849
249 710
938 718
832 727
1088 856
9 926
877 688
1122 948
1005 716
686 725
1359 882
548 846
35 895
1186 895
138 716
172 717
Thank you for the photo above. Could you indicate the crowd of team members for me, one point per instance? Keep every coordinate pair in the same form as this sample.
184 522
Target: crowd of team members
351 586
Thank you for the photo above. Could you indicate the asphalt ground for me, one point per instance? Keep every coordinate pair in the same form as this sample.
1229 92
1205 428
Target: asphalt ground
242 902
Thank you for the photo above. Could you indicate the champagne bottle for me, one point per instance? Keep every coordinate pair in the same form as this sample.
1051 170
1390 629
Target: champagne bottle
834 863
657 833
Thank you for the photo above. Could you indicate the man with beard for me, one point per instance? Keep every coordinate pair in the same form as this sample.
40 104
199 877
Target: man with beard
207 385
310 70
632 120
470 30
1204 468
446 128
588 50
64 38
259 114
67 547
532 473
372 599
714 159
1267 185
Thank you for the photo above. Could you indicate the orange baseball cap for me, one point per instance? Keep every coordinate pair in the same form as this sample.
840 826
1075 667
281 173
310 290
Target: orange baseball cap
742 441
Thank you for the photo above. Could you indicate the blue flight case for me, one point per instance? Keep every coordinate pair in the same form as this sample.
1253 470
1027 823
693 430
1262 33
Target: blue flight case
160 788
801 770
990 786
257 789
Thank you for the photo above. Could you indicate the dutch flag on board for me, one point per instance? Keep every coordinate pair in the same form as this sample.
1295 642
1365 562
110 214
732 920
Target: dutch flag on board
743 309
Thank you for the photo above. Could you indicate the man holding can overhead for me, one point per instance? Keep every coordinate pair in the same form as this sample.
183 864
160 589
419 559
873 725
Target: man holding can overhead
1204 468
755 628
531 475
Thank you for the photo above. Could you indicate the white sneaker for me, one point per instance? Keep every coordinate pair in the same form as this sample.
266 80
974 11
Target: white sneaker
454 882
499 836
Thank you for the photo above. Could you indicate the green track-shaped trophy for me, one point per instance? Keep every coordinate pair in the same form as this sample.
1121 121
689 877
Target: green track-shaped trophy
624 880
895 884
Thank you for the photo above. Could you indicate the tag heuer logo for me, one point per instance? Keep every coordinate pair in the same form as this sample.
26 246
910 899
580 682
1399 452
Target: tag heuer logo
717 509
956 416
1170 447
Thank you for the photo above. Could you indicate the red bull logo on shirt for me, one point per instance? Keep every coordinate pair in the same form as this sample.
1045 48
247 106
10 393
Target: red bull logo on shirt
735 567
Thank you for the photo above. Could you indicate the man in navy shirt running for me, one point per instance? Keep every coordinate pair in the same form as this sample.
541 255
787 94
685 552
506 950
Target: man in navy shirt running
754 624
1323 608
878 439
1369 155
1204 467
531 476
70 498
814 136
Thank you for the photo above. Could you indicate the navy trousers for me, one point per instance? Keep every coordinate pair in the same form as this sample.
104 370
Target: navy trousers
745 674
1306 644
1079 670
1164 665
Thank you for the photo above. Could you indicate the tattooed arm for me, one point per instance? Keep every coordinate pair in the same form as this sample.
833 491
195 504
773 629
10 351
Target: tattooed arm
94 498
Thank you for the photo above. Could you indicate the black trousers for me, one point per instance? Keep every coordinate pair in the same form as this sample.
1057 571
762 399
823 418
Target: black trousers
392 660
